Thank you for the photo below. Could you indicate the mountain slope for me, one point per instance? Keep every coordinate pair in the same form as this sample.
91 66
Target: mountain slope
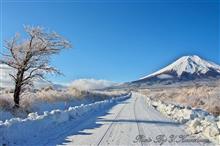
185 68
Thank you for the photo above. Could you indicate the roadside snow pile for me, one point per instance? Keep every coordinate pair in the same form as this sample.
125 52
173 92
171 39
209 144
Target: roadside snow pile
50 98
197 121
17 130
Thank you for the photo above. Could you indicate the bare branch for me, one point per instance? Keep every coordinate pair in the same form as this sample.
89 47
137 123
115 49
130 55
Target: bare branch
14 78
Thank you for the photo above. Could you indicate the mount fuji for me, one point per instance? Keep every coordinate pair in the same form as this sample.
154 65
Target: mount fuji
185 68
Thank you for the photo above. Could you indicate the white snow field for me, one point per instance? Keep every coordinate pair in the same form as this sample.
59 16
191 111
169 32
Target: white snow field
120 121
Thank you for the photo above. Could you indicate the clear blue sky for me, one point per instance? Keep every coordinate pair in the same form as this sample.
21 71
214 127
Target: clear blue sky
120 41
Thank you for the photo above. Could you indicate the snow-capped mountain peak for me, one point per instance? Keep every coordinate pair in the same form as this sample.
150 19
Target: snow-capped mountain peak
193 65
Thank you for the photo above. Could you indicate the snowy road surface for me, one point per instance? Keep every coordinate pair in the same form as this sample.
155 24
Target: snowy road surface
131 122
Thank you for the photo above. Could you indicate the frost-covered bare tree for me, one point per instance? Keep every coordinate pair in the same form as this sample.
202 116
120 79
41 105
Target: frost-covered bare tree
30 57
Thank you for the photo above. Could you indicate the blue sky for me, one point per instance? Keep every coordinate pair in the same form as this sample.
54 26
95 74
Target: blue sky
120 41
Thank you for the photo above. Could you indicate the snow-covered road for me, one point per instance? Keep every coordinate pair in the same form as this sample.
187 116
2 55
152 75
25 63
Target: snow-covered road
130 122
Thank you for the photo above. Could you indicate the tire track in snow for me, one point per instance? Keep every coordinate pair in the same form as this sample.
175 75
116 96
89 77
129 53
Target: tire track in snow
140 128
110 126
73 126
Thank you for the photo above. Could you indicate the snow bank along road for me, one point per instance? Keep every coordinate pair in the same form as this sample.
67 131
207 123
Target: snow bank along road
131 122
120 121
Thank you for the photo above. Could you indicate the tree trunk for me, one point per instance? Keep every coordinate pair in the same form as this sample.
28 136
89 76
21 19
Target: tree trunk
18 86
17 95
